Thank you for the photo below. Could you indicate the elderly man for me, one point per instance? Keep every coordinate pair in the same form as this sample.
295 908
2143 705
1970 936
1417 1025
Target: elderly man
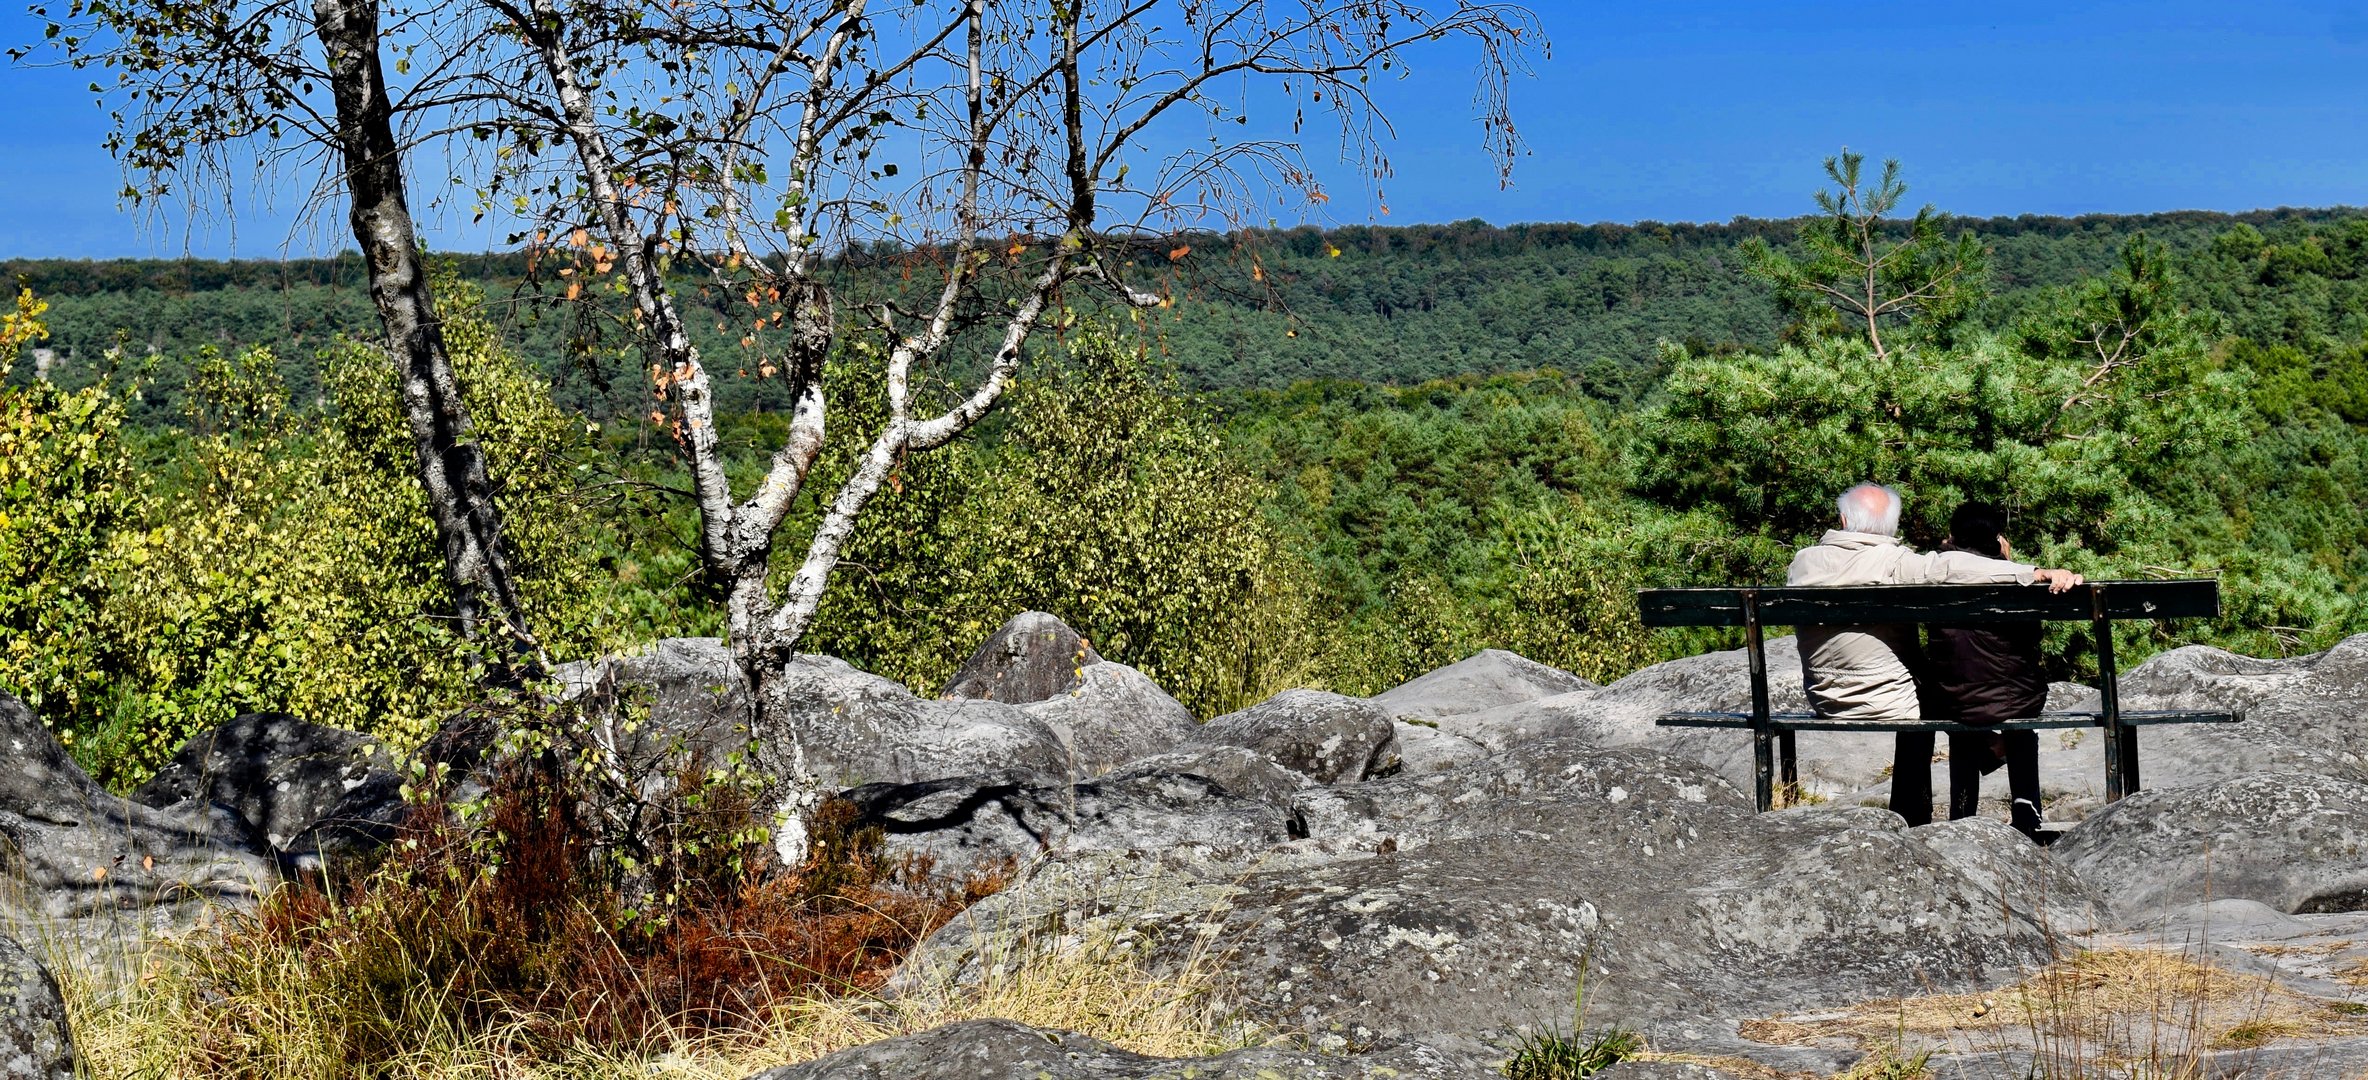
1868 672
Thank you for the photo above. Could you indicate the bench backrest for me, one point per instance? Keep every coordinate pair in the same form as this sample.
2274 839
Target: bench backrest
1832 605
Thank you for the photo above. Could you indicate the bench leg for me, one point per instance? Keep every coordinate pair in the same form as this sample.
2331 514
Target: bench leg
2113 734
1790 756
1763 768
2129 760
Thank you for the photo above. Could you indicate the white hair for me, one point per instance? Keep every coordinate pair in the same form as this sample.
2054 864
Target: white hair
1870 508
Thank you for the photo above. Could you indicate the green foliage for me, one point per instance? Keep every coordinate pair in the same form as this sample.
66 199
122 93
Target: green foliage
1105 497
278 560
1851 278
1552 1056
69 484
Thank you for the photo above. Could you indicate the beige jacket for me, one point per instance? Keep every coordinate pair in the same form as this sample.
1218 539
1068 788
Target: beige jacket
1863 672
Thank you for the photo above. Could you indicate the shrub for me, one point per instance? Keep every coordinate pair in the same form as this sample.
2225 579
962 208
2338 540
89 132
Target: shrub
521 925
270 557
1104 496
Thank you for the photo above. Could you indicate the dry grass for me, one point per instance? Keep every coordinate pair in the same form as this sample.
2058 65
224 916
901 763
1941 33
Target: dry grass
518 946
2110 1012
169 1023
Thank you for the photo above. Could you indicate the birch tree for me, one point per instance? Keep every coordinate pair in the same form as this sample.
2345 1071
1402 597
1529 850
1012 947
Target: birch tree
1012 150
204 90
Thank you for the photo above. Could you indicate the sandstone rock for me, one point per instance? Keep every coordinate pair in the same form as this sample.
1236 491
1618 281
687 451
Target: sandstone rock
300 785
1008 1050
70 850
1327 737
1993 857
697 706
1426 749
34 1041
1111 714
1242 773
1031 658
1484 680
855 727
1646 867
965 826
1408 811
1623 714
2296 842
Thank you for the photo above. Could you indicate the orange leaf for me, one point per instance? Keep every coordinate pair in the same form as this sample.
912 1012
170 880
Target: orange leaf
1257 272
573 288
1178 253
579 238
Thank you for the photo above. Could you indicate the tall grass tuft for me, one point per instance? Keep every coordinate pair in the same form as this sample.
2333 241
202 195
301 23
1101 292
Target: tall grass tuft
512 932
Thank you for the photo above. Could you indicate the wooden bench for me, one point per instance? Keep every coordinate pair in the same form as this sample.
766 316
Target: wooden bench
2098 603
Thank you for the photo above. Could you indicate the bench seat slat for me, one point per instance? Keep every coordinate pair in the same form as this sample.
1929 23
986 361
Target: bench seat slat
1854 604
1800 721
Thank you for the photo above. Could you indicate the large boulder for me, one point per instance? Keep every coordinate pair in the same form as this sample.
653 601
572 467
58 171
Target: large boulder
302 786
1423 748
964 827
69 850
1111 714
1031 658
1623 714
2296 842
1240 772
1326 737
854 727
1483 680
1688 909
698 709
34 1041
1009 1050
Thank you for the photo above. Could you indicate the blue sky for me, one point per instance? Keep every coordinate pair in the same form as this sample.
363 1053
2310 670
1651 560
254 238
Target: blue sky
1669 111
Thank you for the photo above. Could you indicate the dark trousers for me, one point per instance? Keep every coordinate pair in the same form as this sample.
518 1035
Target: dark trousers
1969 752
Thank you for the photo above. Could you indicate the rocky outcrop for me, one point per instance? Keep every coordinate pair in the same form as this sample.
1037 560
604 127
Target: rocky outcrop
1030 658
34 1041
303 787
1008 1050
1495 883
70 850
1240 772
697 707
855 728
2295 842
1112 714
1994 858
1485 680
1423 748
966 827
1325 737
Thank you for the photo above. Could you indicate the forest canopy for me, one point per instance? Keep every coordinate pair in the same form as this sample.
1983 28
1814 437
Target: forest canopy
1410 443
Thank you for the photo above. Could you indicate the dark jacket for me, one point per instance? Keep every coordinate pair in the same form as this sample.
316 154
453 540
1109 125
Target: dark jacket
1982 673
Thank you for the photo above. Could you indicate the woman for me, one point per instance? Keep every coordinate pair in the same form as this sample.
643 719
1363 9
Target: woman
1984 673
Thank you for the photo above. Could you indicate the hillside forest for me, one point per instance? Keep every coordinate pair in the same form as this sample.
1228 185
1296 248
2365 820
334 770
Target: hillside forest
1342 458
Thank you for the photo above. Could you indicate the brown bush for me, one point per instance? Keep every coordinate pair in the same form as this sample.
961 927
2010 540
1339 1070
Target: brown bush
518 919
